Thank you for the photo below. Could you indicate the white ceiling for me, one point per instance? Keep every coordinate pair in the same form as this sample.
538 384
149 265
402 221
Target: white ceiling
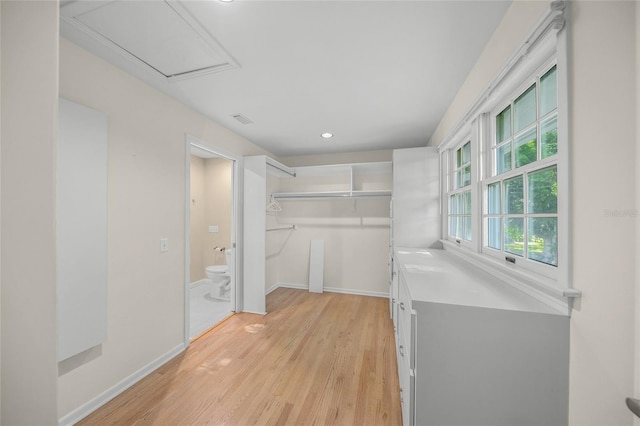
376 74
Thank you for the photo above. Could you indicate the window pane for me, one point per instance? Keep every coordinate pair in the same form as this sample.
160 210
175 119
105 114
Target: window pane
503 125
466 176
543 240
467 228
458 179
466 202
458 158
494 233
543 191
514 196
548 92
524 109
514 235
549 137
466 153
494 198
452 225
526 148
503 158
453 204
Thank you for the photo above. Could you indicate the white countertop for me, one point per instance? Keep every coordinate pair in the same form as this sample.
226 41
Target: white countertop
434 275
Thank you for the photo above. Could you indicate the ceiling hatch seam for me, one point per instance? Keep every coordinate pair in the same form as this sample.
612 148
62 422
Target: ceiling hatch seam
71 13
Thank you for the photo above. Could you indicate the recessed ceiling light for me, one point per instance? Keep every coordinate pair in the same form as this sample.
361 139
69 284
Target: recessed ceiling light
327 135
226 1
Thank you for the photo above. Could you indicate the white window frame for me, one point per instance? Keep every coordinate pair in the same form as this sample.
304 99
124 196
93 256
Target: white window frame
491 177
453 190
544 47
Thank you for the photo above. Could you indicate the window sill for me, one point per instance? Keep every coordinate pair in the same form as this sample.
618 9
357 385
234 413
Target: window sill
537 286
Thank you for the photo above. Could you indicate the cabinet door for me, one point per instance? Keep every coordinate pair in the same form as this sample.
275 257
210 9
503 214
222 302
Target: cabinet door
404 313
404 374
393 297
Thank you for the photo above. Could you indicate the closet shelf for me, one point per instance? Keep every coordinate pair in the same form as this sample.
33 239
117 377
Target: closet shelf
330 194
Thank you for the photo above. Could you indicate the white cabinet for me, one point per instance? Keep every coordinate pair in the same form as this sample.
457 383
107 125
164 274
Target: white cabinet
416 205
474 350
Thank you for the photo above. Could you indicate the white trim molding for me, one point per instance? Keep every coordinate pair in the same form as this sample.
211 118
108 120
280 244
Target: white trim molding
94 403
330 290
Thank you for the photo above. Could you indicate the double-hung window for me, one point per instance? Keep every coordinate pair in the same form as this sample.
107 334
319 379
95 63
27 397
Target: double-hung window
505 178
459 207
521 191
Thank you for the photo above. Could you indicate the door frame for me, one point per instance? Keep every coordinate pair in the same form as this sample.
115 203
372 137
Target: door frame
236 225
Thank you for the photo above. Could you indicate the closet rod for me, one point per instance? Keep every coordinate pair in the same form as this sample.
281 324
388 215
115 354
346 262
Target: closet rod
281 169
330 194
282 229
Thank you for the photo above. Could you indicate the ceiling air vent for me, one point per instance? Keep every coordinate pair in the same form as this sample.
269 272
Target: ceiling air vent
242 119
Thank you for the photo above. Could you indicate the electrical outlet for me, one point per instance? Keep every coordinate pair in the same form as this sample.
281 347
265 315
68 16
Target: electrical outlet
164 245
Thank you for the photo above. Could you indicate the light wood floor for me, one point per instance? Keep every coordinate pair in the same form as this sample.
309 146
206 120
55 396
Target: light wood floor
315 359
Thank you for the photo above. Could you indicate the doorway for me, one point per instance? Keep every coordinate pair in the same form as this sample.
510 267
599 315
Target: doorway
210 246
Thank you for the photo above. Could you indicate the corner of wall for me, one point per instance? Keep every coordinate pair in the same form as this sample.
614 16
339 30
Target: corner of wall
0 214
513 29
637 211
29 95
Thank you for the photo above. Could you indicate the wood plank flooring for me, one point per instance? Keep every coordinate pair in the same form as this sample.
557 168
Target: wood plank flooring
315 359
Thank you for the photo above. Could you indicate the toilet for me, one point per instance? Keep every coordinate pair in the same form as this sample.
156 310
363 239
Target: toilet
220 280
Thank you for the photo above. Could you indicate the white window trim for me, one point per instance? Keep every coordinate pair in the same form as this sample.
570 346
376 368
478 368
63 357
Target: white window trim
547 42
450 167
524 263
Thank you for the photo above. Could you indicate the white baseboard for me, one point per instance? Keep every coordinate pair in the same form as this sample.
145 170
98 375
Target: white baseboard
290 285
106 396
357 292
331 290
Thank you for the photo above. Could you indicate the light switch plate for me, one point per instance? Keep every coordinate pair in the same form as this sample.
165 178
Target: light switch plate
213 228
164 245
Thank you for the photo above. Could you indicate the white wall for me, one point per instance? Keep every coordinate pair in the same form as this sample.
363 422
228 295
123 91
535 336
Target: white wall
356 243
29 129
356 234
218 181
0 219
211 204
603 157
602 328
146 202
636 394
197 220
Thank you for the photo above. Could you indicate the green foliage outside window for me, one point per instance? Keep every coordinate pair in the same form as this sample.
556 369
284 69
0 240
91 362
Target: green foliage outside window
526 132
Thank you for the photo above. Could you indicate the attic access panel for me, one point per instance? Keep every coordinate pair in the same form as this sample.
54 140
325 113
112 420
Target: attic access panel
160 35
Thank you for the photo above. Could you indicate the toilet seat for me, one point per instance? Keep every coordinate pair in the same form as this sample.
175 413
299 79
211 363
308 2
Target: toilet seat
217 269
